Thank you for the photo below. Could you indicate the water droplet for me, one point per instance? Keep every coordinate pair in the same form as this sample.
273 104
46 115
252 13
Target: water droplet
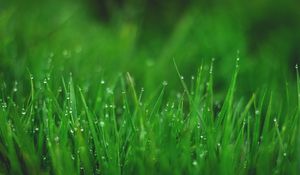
165 83
181 77
284 154
275 120
102 123
15 89
109 91
296 66
66 53
102 82
257 112
4 105
23 111
36 129
51 55
56 139
81 129
195 163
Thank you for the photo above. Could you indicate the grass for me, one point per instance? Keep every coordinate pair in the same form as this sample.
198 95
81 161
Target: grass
111 127
228 117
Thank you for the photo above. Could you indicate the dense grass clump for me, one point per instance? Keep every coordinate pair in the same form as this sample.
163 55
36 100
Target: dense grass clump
111 127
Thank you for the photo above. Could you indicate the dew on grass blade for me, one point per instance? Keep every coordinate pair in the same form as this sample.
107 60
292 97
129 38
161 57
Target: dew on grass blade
56 139
4 105
101 124
109 91
165 83
23 112
15 88
284 154
66 53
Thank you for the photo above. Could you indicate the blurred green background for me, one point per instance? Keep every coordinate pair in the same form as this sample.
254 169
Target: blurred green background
102 38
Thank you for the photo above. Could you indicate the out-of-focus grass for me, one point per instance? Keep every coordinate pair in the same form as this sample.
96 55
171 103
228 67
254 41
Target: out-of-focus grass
144 38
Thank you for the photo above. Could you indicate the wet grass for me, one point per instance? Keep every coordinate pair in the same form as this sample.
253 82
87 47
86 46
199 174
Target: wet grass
111 127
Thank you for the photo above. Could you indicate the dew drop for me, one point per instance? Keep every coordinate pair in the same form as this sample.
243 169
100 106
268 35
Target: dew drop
109 91
101 123
165 83
257 112
4 105
23 111
56 139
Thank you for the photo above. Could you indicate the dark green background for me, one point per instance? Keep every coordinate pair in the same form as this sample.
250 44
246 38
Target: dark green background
97 38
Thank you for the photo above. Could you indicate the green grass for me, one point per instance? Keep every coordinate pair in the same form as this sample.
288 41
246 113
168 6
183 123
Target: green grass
130 91
111 127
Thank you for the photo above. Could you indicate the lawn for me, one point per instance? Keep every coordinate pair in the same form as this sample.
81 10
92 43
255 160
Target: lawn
149 87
